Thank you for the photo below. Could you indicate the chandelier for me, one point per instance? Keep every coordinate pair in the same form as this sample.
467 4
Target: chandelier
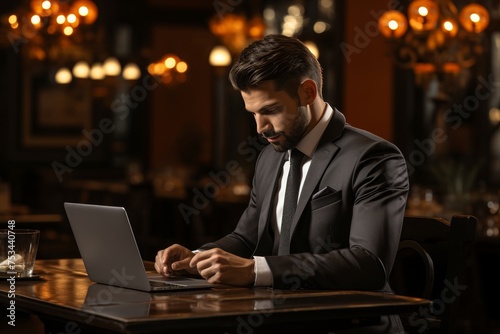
39 25
169 70
236 31
435 38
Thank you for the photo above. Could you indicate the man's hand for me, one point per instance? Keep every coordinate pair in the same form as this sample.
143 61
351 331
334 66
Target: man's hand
218 266
174 260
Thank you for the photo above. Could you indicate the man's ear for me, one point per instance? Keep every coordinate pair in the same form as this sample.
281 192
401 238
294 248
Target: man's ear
307 92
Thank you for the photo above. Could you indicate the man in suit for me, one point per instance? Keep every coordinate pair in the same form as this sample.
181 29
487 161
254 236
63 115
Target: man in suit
345 230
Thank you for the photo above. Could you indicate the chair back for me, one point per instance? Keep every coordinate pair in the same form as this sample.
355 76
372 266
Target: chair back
430 264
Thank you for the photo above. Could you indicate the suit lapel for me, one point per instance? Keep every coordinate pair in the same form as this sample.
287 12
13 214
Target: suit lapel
321 159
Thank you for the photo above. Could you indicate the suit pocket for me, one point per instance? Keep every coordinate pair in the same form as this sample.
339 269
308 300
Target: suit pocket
326 199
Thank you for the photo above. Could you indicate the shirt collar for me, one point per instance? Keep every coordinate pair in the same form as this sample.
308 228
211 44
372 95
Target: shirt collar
308 144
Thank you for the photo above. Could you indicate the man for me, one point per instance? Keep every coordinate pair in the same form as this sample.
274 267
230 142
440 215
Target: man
345 230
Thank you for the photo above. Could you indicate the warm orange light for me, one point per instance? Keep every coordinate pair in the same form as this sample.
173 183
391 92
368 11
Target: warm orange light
450 28
256 28
112 66
435 42
83 11
13 19
423 11
313 48
423 15
131 72
44 7
392 24
60 19
474 18
71 18
451 68
181 67
235 31
68 31
159 68
170 69
97 72
170 62
36 21
219 56
86 10
81 70
423 68
63 76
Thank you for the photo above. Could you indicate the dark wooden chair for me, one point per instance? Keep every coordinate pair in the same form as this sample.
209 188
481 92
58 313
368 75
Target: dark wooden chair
430 264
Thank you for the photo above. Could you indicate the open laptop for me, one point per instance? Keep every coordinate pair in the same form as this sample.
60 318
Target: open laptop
110 254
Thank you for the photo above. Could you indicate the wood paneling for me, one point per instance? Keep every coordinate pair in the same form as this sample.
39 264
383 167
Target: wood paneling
368 69
181 115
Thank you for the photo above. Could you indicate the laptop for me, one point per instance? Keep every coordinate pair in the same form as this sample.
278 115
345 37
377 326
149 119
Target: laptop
110 254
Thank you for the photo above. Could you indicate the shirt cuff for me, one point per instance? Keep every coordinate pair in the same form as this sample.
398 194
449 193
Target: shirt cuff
263 275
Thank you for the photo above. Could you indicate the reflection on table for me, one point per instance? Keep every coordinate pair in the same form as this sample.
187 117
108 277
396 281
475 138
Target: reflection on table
66 296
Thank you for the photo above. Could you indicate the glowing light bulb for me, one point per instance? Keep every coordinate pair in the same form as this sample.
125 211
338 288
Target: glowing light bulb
83 11
63 76
423 11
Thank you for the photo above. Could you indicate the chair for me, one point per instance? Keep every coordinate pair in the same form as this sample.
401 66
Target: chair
430 264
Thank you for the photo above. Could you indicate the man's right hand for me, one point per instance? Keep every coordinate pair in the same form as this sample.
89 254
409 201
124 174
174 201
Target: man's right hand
174 260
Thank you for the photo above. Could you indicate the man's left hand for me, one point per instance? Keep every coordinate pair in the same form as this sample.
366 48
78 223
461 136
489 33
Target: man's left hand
218 266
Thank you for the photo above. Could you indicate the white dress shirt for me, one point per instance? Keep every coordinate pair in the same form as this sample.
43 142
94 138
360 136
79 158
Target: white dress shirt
308 144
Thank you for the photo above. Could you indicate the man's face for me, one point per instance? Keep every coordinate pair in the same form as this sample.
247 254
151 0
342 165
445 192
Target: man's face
279 117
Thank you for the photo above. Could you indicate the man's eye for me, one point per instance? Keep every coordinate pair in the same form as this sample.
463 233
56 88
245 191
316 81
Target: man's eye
273 111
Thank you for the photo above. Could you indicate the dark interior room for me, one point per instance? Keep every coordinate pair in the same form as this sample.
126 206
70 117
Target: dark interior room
130 105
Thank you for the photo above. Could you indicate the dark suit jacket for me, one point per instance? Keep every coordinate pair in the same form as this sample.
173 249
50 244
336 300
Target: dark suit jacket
347 226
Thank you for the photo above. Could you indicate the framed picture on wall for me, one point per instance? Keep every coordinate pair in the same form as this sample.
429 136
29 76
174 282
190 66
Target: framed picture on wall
53 115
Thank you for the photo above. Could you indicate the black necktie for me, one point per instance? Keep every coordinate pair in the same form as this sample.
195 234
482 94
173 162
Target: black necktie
290 203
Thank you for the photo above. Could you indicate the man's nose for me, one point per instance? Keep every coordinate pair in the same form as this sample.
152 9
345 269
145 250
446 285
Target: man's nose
262 123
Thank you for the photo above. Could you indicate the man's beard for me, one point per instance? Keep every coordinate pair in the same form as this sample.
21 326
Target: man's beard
297 131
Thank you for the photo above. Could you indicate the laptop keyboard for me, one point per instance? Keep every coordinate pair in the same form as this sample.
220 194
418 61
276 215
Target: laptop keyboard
166 285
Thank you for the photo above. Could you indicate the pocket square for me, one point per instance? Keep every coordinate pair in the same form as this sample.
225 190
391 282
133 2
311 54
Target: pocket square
323 192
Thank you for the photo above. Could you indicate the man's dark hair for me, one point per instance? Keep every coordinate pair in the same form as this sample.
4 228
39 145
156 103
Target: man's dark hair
284 60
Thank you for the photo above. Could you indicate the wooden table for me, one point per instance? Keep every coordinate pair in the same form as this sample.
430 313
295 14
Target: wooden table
67 301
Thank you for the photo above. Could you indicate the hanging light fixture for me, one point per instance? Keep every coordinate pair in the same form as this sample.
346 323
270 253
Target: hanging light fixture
219 56
236 31
44 22
112 66
81 70
131 72
63 76
170 69
434 37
